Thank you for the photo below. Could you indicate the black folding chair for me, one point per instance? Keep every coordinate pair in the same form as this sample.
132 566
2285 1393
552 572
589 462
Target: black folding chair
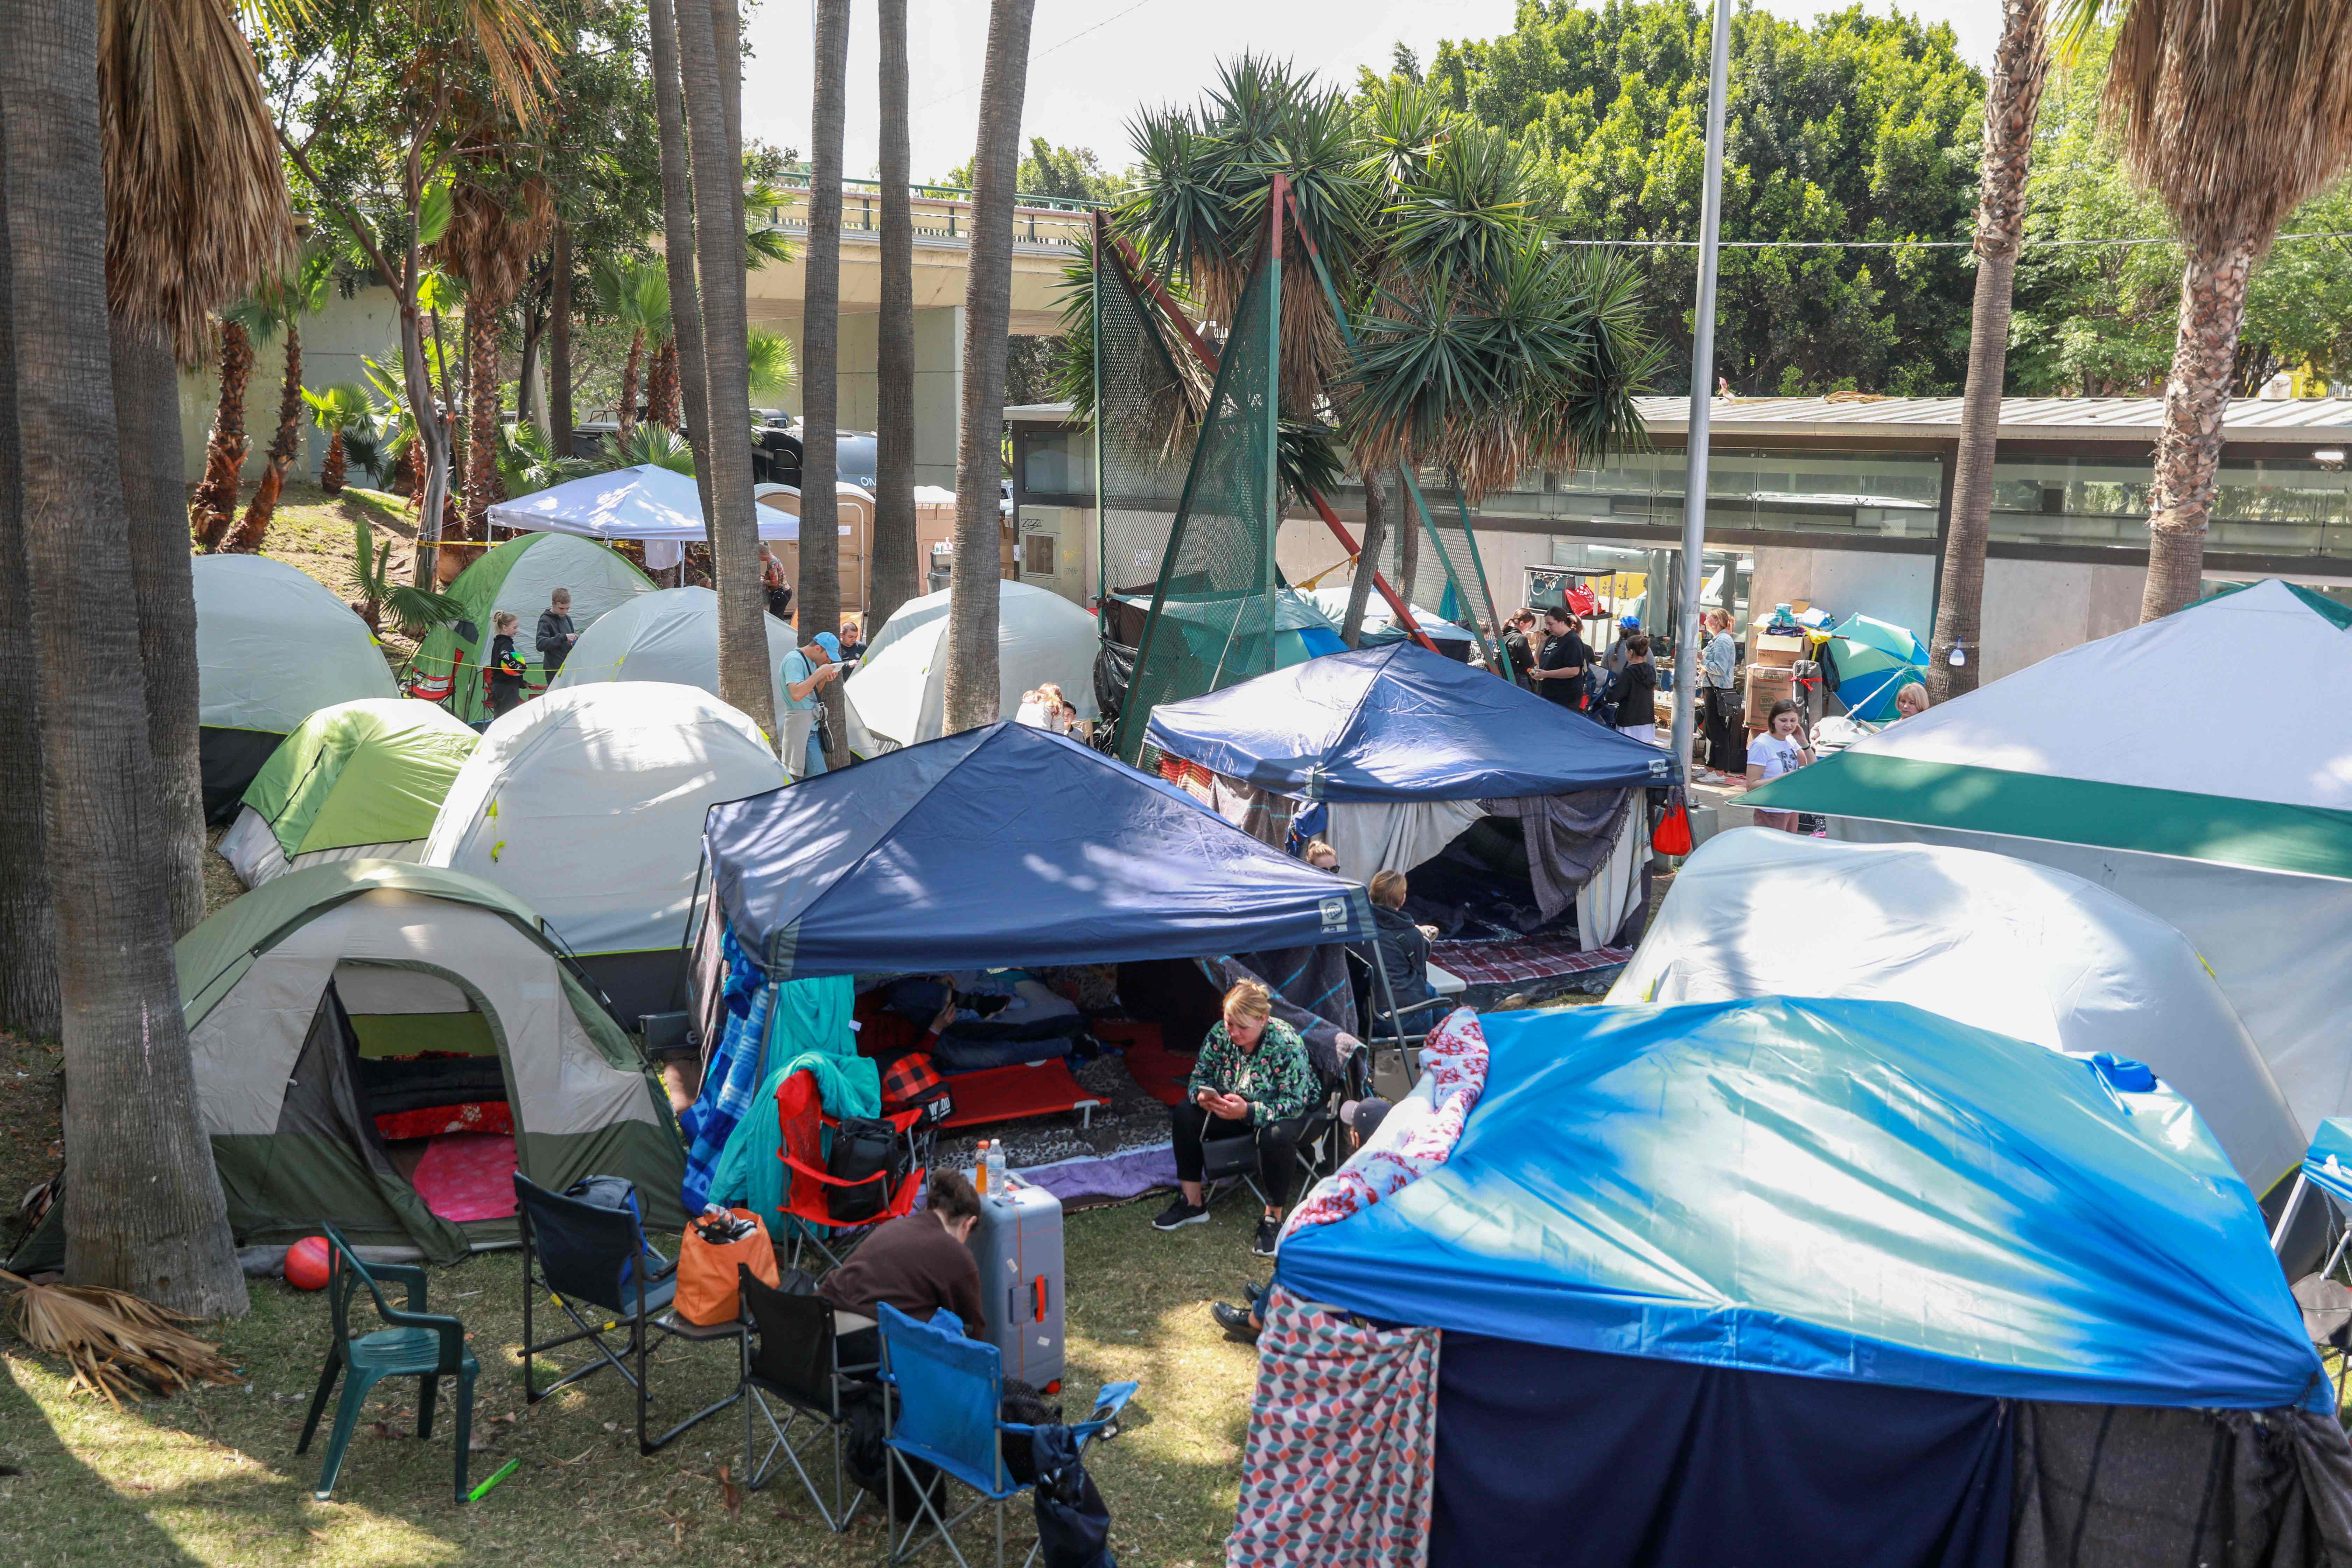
589 1254
799 1362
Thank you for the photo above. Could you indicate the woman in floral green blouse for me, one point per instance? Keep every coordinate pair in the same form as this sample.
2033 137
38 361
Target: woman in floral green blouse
1253 1080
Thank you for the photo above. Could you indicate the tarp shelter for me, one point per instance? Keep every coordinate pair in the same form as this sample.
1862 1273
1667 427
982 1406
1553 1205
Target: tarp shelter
520 576
1411 751
1803 1282
588 803
273 647
896 696
360 781
1380 626
361 989
2022 950
1005 846
2242 840
670 634
1301 630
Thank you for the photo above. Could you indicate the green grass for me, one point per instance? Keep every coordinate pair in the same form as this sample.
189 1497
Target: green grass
211 1476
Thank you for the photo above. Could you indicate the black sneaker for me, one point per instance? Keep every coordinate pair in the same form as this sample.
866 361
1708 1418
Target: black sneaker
1268 1228
1179 1212
1234 1321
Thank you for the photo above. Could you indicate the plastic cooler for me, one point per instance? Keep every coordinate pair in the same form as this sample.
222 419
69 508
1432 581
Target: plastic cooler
1018 1244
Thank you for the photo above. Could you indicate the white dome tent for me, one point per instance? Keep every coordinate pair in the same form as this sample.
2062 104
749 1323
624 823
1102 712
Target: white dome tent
587 804
1982 939
273 647
898 695
671 635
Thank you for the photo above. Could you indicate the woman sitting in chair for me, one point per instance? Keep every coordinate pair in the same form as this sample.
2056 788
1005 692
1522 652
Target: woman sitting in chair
918 1263
1401 950
1253 1080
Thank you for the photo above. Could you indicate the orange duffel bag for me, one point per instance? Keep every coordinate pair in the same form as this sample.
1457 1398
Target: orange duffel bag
707 1293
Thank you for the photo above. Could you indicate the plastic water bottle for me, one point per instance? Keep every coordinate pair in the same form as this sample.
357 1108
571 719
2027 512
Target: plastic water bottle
997 1186
981 1163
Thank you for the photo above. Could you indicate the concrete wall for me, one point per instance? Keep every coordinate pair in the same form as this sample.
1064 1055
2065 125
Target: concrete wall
333 342
1898 588
2035 608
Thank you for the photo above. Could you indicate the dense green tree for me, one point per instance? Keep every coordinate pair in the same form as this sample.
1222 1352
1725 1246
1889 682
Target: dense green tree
1851 127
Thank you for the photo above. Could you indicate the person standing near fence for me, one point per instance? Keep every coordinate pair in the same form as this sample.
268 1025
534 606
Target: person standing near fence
1719 668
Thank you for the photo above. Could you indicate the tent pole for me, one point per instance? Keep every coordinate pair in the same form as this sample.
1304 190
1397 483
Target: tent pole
2286 1215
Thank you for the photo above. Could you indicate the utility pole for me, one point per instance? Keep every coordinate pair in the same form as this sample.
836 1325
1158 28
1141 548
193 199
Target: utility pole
1702 390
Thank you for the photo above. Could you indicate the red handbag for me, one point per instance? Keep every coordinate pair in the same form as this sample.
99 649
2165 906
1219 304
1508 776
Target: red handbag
1673 834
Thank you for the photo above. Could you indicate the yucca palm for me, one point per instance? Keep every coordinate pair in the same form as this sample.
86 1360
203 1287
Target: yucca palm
338 412
278 306
2232 111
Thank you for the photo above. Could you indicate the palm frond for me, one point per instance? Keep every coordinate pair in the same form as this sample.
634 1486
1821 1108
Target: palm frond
340 408
770 356
527 460
116 1342
647 445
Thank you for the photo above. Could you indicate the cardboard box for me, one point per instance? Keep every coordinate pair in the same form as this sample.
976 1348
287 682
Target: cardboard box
1779 652
1766 686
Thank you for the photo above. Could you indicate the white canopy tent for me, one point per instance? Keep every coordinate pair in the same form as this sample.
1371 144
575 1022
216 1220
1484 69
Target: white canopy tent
898 695
2001 943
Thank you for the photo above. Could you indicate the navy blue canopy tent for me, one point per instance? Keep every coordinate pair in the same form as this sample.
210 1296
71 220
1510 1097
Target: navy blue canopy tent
1399 724
1780 1281
1007 845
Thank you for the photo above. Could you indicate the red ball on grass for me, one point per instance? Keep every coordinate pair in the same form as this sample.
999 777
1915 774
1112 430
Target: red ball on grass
309 1264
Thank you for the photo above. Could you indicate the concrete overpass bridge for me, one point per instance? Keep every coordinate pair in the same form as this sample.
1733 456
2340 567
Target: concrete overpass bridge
1047 236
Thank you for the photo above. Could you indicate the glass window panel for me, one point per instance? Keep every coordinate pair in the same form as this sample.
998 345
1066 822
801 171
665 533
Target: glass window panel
2261 506
1058 462
1886 494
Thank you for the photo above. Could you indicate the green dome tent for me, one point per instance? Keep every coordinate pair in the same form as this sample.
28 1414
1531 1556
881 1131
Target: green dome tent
310 1002
273 647
518 575
360 781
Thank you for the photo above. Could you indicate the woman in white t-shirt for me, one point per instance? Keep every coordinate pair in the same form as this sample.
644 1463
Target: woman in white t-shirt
1780 749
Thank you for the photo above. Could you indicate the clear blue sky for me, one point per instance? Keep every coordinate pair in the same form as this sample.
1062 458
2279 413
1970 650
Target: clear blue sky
1093 62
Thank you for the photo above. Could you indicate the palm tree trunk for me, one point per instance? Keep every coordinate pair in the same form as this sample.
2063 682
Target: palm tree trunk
558 345
1379 512
215 505
333 465
2196 397
2013 100
678 246
661 388
629 384
482 485
147 415
143 1211
428 436
28 932
718 163
972 688
530 407
893 579
247 540
819 589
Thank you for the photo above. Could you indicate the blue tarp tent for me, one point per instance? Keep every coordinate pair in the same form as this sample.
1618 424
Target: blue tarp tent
1399 724
1004 846
1805 1279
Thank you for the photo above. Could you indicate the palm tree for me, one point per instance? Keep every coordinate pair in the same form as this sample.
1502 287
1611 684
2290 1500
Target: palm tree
527 459
498 223
28 931
2013 103
647 446
972 692
768 358
677 238
636 295
281 303
144 1210
338 412
374 591
2232 111
213 507
716 154
820 584
893 580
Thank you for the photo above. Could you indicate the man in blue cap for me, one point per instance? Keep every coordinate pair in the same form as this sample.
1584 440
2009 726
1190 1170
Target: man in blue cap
806 671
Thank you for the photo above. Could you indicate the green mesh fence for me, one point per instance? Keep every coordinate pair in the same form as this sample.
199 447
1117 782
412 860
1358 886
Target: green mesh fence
1449 581
1213 615
1144 435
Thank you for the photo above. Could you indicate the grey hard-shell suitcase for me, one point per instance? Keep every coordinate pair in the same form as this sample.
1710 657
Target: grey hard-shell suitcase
1018 1244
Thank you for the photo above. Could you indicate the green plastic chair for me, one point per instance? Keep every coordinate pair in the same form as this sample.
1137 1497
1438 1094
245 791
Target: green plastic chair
420 1344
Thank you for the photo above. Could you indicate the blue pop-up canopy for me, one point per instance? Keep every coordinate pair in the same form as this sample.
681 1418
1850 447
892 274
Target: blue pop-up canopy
2328 1166
1848 1190
1399 724
1004 846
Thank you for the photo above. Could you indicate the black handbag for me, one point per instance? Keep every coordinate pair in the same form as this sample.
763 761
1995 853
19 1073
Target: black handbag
1073 1520
868 1153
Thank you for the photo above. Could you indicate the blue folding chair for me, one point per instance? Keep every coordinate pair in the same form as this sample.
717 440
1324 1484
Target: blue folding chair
949 1391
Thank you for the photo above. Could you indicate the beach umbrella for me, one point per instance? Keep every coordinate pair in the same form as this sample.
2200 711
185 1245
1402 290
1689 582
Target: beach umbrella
1872 659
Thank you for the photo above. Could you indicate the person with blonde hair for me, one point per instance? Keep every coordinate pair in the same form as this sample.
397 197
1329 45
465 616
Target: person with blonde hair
1253 1080
1321 856
1400 947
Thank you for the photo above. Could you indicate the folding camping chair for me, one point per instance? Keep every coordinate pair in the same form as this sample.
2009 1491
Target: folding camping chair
949 1392
1318 1133
1408 1026
809 1199
798 1361
427 1346
588 1255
